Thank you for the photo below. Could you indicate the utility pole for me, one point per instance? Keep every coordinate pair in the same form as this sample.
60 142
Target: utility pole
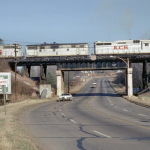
68 81
15 71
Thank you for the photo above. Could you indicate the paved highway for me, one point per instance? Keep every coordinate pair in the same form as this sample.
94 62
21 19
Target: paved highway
96 119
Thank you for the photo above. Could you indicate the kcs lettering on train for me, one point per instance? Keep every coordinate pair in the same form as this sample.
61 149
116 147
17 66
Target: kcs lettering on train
121 47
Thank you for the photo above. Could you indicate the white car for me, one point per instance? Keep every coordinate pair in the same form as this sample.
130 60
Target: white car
93 85
65 96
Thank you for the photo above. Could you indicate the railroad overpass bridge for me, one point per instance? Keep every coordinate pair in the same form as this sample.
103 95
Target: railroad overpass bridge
105 62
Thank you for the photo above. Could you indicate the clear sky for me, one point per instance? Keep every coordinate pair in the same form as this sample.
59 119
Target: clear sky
70 21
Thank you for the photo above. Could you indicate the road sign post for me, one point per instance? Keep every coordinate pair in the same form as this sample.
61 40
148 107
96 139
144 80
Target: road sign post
3 89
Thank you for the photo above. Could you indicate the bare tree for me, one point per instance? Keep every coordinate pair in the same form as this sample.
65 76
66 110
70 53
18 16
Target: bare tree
137 74
4 66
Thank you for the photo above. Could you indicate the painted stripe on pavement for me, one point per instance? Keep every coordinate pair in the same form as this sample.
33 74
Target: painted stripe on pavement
102 134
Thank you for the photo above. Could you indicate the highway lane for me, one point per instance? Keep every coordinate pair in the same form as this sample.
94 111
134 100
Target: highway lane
96 119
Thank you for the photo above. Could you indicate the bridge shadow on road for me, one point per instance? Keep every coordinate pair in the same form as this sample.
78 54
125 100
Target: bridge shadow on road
96 94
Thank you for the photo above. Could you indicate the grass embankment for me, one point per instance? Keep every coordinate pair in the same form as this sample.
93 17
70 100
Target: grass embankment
118 88
145 98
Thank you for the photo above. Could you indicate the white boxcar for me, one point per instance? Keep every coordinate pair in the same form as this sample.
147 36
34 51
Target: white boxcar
56 49
9 50
122 47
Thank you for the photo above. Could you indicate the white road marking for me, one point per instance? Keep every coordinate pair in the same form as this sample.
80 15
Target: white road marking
63 114
72 121
59 109
125 110
108 97
112 104
102 134
142 115
116 106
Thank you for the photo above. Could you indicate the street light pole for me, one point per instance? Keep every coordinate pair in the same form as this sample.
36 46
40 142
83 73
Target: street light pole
91 75
68 81
15 71
126 62
129 82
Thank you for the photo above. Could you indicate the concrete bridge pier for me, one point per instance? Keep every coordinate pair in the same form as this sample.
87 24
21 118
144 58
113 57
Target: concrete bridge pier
144 76
129 86
43 69
60 82
26 70
129 79
12 66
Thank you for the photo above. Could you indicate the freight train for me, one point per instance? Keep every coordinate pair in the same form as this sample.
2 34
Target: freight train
8 50
79 49
55 49
122 47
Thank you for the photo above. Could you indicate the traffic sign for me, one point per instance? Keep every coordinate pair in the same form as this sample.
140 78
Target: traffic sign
5 79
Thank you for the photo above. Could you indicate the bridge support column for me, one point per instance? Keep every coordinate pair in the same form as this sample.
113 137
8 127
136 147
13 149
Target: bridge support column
129 79
26 70
129 82
43 74
60 82
12 66
144 76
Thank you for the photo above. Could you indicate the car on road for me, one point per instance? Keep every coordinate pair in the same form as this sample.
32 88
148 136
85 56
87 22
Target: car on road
65 96
93 85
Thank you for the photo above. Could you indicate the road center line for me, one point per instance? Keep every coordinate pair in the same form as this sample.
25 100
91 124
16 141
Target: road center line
110 102
142 115
73 121
63 114
125 110
102 134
